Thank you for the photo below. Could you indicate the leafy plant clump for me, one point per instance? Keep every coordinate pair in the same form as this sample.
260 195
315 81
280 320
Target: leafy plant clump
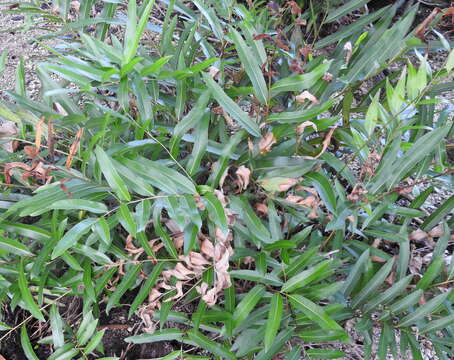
203 179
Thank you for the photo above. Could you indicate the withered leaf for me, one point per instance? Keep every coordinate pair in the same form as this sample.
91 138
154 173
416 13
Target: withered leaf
304 125
243 174
325 144
306 95
266 143
8 129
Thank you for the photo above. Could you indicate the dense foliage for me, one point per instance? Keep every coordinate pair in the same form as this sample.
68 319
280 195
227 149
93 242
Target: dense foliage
210 167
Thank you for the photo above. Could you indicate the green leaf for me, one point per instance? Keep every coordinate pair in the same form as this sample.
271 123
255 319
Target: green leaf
158 335
350 29
134 31
4 327
127 220
72 236
26 344
314 312
247 304
79 204
26 294
86 328
156 66
28 231
372 114
254 224
163 177
274 319
300 82
306 277
390 236
301 261
301 115
190 120
355 273
277 345
423 310
94 341
345 9
146 288
111 175
166 239
200 147
3 59
14 247
231 107
325 354
251 65
103 230
438 324
212 19
216 211
433 270
66 352
441 211
403 304
325 190
210 345
20 78
255 276
423 147
56 325
126 282
389 294
450 61
321 336
373 284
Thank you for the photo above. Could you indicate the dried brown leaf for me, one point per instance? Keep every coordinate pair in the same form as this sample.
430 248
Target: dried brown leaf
130 247
261 208
304 125
8 129
422 28
306 95
243 175
207 248
287 184
75 5
74 147
173 226
213 71
437 231
39 134
31 151
282 46
418 235
262 37
50 140
325 145
295 8
266 143
328 77
58 108
349 50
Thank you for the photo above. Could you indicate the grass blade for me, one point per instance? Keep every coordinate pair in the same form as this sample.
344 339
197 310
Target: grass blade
251 65
110 173
231 107
274 320
27 295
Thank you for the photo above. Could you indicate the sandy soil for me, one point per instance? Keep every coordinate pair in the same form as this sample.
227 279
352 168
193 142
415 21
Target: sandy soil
19 44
